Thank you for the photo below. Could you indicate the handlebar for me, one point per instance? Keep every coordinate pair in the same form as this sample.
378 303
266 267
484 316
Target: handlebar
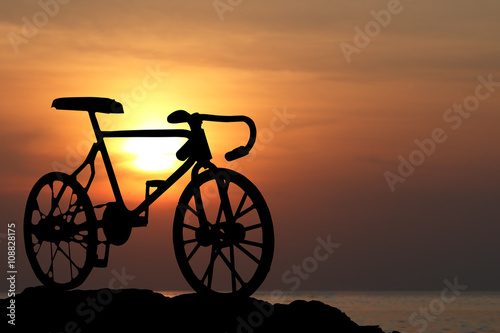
241 150
195 119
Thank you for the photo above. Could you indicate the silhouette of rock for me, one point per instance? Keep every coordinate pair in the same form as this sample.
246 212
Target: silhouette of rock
40 309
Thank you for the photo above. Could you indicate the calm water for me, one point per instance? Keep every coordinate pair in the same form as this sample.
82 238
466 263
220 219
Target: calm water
471 312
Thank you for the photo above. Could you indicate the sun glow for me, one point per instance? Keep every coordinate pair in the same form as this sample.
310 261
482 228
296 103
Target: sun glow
153 154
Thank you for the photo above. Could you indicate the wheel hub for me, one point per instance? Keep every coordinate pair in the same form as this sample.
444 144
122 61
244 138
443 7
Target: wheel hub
54 229
204 236
221 235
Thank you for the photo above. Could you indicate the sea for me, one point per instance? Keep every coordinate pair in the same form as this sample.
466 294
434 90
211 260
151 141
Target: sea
406 312
403 311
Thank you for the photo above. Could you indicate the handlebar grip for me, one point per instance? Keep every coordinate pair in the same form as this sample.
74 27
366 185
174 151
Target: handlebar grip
236 153
179 116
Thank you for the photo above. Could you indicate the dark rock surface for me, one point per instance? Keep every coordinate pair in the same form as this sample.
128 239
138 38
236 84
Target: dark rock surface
41 309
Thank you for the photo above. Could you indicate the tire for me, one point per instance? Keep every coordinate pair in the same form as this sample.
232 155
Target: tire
230 255
60 232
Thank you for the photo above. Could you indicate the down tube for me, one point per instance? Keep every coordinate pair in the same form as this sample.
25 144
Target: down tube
168 183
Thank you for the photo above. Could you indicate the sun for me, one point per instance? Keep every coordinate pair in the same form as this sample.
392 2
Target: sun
153 154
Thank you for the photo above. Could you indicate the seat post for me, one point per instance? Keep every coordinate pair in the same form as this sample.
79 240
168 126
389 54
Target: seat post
95 126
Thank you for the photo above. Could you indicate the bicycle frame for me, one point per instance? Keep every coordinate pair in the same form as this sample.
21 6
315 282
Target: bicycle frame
100 146
195 151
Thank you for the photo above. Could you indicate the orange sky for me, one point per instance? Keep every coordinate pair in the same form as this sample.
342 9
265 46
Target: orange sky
322 172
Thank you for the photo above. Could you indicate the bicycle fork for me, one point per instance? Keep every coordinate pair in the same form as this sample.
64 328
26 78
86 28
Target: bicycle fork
217 233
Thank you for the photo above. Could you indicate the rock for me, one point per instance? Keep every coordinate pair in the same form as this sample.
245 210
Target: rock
40 309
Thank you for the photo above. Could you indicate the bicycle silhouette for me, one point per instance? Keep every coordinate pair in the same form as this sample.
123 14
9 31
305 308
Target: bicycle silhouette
222 231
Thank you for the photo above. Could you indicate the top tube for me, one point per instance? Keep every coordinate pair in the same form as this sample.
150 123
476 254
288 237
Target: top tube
148 133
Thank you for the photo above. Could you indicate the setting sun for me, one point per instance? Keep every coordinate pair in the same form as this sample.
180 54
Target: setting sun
153 154
346 97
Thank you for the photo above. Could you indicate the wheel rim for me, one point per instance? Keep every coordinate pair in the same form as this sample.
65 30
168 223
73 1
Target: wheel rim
233 254
59 231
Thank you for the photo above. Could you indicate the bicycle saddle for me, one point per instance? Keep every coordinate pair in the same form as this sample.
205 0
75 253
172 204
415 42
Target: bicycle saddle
90 104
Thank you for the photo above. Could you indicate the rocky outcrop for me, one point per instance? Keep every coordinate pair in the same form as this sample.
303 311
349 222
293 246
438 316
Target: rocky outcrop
41 309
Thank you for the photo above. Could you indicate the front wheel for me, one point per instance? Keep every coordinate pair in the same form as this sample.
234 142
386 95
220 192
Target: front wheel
223 234
60 233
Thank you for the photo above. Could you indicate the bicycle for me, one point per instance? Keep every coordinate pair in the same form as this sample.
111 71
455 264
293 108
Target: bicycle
222 231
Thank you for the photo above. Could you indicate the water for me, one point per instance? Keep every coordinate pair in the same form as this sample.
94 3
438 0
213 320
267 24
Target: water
471 312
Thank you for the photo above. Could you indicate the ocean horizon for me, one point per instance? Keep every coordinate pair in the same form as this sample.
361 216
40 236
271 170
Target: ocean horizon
403 311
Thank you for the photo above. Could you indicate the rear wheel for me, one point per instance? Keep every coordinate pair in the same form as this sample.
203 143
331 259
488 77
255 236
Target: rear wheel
60 233
223 234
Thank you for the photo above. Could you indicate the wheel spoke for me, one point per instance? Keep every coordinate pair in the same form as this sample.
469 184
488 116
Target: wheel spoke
240 206
42 215
187 207
231 268
84 226
188 226
219 214
67 256
252 243
189 241
255 226
248 253
252 207
193 251
70 203
210 269
52 198
37 209
52 256
55 200
80 242
39 243
74 213
225 203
